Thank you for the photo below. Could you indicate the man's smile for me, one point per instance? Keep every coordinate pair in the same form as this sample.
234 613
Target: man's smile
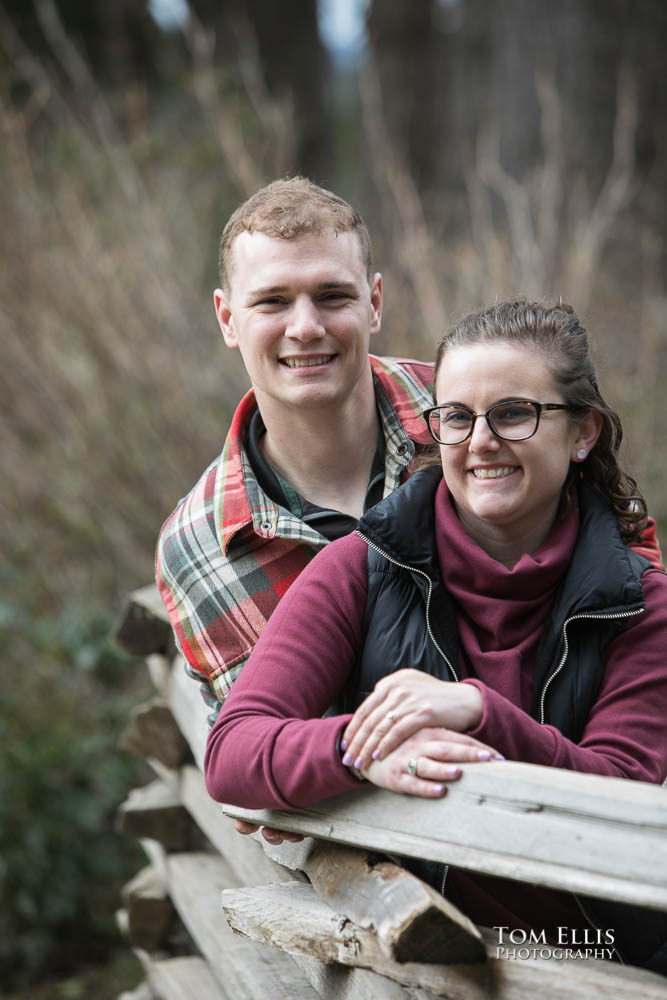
307 362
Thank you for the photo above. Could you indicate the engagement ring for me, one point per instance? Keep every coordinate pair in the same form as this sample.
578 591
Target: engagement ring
412 767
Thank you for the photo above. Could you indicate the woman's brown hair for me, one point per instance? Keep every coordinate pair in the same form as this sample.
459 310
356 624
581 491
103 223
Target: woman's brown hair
556 332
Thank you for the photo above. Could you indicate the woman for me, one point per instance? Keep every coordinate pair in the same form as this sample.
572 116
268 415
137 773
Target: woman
491 607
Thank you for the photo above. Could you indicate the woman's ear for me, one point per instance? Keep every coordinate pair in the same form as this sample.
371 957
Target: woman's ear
588 432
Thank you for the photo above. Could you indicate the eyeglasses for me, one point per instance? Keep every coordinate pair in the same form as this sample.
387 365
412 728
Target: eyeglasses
511 420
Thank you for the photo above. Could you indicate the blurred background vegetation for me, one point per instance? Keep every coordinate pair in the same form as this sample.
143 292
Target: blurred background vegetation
495 147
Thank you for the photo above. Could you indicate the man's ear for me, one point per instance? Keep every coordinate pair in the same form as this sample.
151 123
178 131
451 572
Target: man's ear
376 304
589 431
225 318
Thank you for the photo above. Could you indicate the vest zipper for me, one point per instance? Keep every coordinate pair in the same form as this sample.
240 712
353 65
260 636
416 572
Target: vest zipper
413 569
566 650
566 646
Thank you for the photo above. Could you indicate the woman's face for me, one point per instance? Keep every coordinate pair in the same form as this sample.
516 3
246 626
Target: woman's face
505 490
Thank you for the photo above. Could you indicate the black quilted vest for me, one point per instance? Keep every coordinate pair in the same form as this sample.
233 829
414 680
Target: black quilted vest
410 621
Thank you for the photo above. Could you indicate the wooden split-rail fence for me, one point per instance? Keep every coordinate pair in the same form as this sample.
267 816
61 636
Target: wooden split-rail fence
218 916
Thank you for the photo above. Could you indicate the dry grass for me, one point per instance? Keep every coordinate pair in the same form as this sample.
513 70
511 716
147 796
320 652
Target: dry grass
115 389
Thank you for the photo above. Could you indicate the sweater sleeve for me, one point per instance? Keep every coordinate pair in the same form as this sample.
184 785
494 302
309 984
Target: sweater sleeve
625 733
270 747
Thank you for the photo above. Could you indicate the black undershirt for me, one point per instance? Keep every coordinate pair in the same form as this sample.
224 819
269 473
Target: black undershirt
330 523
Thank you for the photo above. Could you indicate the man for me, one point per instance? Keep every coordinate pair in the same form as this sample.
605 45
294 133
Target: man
325 432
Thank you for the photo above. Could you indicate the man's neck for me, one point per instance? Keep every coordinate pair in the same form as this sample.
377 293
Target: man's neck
325 454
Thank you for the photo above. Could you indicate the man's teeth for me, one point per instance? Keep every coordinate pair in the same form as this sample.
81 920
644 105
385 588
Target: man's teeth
306 362
498 473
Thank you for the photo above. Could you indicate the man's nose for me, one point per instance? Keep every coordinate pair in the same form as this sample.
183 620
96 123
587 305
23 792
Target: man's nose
482 438
304 321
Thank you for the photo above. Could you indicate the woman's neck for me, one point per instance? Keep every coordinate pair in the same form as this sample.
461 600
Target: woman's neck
508 543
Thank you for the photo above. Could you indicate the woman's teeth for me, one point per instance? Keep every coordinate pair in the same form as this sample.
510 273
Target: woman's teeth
498 473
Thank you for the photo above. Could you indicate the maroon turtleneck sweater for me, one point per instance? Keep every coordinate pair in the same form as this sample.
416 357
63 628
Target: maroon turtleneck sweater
270 748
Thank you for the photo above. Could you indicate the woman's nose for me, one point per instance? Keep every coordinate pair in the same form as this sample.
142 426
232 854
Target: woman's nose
482 438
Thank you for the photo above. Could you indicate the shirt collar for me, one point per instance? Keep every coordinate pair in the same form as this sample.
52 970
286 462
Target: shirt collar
239 500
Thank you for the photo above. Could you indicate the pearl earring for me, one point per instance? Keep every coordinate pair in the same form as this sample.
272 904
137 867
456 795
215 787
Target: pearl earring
581 454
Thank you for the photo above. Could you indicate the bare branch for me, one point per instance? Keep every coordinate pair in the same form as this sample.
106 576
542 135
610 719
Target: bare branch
550 186
516 200
592 230
415 242
221 110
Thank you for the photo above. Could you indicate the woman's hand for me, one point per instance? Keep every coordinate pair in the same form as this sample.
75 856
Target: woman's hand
270 835
405 702
422 763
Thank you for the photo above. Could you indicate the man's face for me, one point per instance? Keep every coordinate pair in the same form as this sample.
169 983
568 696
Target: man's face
302 313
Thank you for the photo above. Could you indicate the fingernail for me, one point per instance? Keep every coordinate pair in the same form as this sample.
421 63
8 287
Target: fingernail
358 762
483 755
452 771
438 789
499 756
344 744
347 760
375 755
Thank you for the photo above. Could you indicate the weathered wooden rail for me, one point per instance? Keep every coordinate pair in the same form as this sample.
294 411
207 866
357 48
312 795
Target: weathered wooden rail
215 915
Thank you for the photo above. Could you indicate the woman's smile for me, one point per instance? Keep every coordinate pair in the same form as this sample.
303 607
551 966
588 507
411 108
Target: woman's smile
494 472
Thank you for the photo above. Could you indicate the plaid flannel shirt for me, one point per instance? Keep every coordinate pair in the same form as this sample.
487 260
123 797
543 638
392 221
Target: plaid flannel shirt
228 553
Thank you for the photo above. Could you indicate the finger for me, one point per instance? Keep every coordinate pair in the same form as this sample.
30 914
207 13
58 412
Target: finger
436 770
369 734
278 836
440 744
404 728
274 837
388 694
245 828
465 752
409 784
367 707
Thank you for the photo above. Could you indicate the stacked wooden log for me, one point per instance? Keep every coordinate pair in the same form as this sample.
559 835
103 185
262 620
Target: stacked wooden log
216 915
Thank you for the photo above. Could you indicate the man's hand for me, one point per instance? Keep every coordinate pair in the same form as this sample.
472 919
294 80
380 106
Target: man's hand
405 702
270 835
422 764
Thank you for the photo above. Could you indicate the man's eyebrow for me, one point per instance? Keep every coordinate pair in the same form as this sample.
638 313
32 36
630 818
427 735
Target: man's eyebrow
343 286
259 293
349 287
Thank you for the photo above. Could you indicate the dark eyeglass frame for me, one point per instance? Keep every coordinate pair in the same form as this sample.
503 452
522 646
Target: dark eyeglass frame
539 408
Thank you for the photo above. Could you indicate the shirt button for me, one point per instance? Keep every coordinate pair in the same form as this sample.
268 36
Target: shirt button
401 450
266 526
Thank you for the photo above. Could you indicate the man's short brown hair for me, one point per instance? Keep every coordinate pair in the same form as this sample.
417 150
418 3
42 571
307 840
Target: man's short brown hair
289 208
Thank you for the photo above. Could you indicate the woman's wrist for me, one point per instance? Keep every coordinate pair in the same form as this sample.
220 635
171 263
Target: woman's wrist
473 708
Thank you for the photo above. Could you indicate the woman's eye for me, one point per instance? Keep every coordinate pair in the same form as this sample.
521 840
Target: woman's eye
516 413
456 418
